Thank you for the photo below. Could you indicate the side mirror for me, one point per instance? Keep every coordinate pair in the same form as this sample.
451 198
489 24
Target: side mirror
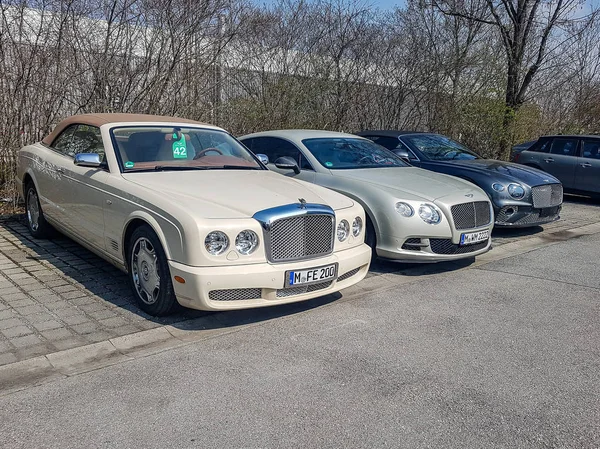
92 160
287 163
263 158
403 154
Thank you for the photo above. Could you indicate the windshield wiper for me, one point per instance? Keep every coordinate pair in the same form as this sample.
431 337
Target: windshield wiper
187 167
239 167
177 167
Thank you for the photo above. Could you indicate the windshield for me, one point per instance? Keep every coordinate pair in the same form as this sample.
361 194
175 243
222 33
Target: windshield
153 148
439 148
346 152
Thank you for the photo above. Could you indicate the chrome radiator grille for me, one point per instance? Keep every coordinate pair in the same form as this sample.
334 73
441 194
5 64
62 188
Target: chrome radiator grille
471 215
297 231
300 237
547 196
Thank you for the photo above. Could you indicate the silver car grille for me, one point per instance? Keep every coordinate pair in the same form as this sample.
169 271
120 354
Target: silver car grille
297 232
471 215
549 195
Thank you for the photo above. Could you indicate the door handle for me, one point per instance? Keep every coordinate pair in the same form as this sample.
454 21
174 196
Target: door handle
586 164
59 170
549 159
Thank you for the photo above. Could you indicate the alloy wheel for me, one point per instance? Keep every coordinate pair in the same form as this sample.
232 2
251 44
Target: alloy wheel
144 270
33 210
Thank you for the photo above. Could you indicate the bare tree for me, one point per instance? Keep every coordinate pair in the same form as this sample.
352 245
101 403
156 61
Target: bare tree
527 28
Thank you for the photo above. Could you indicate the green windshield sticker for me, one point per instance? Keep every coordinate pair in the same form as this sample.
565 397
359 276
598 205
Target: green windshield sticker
129 164
328 164
179 148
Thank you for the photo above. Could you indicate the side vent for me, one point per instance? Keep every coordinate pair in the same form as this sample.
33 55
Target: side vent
114 245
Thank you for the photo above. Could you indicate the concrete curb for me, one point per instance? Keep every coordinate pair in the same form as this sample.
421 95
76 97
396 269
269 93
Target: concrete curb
20 375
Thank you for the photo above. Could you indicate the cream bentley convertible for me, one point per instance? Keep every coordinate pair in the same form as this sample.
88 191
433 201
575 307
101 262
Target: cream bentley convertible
190 214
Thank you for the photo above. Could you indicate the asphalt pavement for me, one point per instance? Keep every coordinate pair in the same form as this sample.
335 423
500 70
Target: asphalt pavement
497 354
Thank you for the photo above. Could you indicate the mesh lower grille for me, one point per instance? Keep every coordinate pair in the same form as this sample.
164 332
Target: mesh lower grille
549 195
349 274
285 292
539 216
237 294
445 246
408 244
503 217
301 237
471 215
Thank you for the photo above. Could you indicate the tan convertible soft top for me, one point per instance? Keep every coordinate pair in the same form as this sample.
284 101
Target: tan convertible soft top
103 119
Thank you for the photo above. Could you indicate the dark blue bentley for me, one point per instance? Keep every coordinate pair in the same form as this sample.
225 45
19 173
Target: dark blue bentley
521 196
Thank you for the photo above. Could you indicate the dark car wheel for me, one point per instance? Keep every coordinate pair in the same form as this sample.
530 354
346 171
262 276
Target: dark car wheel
149 273
371 237
37 224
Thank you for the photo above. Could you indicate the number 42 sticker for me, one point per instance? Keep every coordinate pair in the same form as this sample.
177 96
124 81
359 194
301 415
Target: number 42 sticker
179 147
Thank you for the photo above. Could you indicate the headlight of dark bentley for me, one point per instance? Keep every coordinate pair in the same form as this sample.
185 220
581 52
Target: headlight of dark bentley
516 191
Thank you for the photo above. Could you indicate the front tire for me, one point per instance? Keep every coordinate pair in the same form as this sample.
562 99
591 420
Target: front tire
149 273
36 222
371 237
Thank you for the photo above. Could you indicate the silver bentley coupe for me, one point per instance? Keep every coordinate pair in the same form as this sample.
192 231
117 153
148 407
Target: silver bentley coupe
413 215
190 213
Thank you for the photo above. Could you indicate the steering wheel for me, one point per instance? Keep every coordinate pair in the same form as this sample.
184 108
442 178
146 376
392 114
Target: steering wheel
203 152
367 159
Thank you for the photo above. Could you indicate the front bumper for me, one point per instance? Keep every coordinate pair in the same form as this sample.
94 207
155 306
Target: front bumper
420 249
261 285
525 216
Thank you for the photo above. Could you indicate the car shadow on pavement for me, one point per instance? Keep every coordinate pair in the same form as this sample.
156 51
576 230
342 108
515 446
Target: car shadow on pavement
382 266
586 200
86 283
508 232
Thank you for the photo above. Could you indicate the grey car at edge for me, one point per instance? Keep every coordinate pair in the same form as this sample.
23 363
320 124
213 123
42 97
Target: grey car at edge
575 160
413 215
521 196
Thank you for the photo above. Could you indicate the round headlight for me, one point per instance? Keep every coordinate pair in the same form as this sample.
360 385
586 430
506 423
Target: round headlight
357 225
404 209
497 187
429 214
516 191
216 242
343 229
246 242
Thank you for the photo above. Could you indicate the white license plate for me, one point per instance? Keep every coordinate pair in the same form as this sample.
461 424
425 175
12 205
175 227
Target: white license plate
311 275
474 237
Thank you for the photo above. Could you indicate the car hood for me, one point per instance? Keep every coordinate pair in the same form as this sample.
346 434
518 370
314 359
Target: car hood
230 193
413 181
500 170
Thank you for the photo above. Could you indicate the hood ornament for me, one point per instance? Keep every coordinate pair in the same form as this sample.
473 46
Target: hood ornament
302 203
469 195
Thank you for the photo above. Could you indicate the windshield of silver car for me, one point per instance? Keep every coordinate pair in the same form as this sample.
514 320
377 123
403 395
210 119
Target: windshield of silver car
348 153
168 148
439 148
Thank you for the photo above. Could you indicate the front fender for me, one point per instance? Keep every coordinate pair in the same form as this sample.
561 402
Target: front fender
169 233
